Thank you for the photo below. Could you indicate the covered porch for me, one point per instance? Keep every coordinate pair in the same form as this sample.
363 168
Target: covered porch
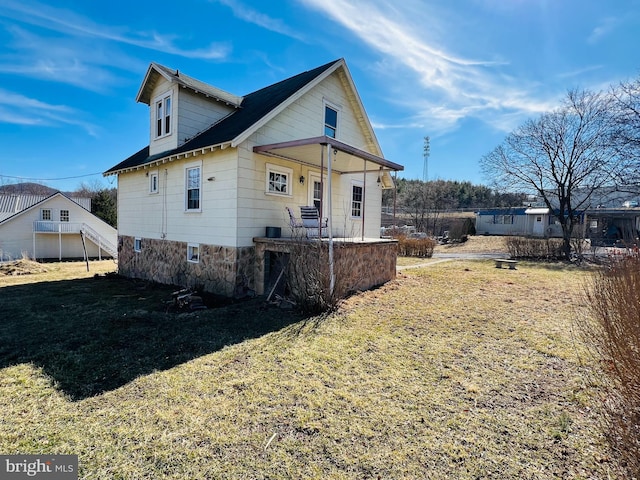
353 261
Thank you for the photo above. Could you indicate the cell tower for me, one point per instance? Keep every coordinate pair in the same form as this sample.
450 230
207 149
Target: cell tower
425 152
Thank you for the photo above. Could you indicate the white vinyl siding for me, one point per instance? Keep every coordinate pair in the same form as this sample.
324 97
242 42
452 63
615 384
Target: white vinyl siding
196 113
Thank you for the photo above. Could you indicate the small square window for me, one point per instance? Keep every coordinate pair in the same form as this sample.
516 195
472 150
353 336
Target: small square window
193 252
45 214
64 215
137 245
153 182
279 180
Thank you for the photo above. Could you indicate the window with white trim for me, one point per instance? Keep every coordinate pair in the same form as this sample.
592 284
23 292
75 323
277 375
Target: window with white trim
45 214
193 252
330 120
163 115
193 179
279 180
357 191
153 182
137 245
64 215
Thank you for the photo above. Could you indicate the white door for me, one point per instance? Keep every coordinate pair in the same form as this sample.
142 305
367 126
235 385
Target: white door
539 224
315 191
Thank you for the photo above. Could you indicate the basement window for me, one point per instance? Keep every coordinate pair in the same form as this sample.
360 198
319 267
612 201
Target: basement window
137 245
193 252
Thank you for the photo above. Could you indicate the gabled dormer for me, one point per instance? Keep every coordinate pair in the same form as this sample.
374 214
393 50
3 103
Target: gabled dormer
180 107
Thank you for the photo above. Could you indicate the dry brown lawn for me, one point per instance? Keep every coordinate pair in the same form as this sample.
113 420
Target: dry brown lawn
456 371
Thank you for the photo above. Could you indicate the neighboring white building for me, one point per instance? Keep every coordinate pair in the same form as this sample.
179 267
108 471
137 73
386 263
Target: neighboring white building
220 168
52 227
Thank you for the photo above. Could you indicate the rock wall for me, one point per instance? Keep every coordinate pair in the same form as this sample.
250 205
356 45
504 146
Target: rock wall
357 265
222 270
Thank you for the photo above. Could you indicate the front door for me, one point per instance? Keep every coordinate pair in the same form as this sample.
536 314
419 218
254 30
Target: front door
315 191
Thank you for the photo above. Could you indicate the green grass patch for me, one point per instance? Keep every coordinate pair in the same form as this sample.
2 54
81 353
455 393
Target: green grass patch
458 370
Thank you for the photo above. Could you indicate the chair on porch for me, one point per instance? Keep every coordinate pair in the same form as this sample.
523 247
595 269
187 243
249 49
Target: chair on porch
312 222
309 220
293 221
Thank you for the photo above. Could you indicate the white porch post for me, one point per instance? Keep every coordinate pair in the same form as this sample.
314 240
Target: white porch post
34 243
59 242
364 196
332 279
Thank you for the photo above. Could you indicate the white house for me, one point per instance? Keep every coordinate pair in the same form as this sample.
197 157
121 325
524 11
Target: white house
219 169
52 227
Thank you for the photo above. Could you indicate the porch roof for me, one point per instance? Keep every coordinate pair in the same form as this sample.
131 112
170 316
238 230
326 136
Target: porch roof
309 151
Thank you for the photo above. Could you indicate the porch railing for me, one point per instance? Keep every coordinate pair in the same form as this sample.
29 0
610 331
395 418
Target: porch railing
46 226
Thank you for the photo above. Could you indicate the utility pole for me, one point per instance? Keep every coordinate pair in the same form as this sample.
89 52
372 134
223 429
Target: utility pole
425 152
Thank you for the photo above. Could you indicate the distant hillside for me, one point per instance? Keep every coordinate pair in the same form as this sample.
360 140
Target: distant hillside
26 189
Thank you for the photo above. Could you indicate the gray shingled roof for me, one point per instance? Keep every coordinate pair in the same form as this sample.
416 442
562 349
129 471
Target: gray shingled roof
253 108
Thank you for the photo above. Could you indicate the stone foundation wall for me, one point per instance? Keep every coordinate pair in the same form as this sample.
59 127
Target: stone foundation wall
361 266
357 265
222 270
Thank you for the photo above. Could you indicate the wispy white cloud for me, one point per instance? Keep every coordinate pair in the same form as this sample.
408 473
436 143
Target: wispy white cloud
70 23
18 109
606 26
250 15
450 86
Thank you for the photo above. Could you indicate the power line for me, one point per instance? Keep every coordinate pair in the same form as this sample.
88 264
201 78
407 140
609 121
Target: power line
50 179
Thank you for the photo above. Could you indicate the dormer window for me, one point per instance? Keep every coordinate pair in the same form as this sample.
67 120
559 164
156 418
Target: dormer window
163 116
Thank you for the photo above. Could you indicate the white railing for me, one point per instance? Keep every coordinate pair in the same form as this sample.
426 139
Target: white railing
47 226
99 240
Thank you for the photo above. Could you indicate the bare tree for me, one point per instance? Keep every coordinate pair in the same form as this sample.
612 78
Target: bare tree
627 134
564 157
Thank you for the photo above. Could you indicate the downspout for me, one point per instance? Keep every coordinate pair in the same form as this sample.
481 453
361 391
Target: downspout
332 279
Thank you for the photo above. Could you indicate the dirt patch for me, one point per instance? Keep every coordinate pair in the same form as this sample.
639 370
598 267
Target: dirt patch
22 267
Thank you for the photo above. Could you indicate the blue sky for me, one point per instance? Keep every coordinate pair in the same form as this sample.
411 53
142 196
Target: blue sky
464 72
